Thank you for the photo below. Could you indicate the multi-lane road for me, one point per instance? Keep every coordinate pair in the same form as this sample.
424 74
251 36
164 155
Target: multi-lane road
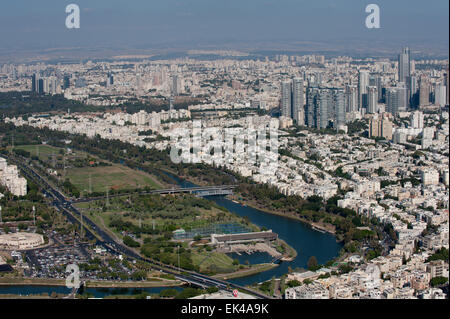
64 205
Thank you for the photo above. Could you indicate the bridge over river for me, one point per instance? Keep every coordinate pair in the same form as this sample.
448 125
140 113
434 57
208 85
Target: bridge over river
199 191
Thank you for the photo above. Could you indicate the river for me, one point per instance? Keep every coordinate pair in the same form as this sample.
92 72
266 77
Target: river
27 290
299 235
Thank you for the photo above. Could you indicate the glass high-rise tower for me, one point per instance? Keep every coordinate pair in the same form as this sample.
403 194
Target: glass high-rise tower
298 112
363 83
404 65
286 99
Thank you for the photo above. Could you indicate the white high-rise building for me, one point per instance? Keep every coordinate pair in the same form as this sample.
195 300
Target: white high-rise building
440 95
372 96
9 177
416 120
430 176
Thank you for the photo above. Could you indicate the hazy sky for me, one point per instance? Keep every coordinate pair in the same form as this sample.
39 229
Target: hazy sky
167 23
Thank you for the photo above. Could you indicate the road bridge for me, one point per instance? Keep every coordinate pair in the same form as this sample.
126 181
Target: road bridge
199 191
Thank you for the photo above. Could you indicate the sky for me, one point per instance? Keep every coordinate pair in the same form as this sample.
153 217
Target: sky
247 24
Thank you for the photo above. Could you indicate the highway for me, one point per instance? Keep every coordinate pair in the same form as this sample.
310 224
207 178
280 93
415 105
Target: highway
65 206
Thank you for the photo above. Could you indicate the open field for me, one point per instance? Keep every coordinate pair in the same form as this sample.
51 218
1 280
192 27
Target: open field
42 151
109 177
219 261
91 177
180 211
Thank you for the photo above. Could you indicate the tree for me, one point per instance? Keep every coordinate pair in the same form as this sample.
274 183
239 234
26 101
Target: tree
212 290
130 242
312 263
437 281
440 254
168 293
294 283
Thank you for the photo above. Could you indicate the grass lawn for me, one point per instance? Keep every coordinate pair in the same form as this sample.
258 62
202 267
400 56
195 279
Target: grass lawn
223 262
42 151
106 177
202 219
102 177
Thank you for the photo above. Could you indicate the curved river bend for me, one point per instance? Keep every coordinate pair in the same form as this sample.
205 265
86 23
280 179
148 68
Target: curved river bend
300 236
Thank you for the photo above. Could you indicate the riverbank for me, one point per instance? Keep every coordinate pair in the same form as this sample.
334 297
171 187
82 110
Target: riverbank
255 269
235 197
12 296
14 281
289 252
133 284
18 281
253 204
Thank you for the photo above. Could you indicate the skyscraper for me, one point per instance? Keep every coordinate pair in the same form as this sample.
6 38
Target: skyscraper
413 91
339 108
375 80
175 85
297 101
53 85
351 94
404 65
372 100
66 82
396 100
312 95
424 92
324 105
286 99
380 126
323 109
40 86
363 83
416 120
440 95
110 80
34 82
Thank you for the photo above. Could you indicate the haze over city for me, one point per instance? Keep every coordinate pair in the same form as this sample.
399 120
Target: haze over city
108 28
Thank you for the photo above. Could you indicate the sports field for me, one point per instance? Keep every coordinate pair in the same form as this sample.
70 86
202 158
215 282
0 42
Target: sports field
103 178
92 178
